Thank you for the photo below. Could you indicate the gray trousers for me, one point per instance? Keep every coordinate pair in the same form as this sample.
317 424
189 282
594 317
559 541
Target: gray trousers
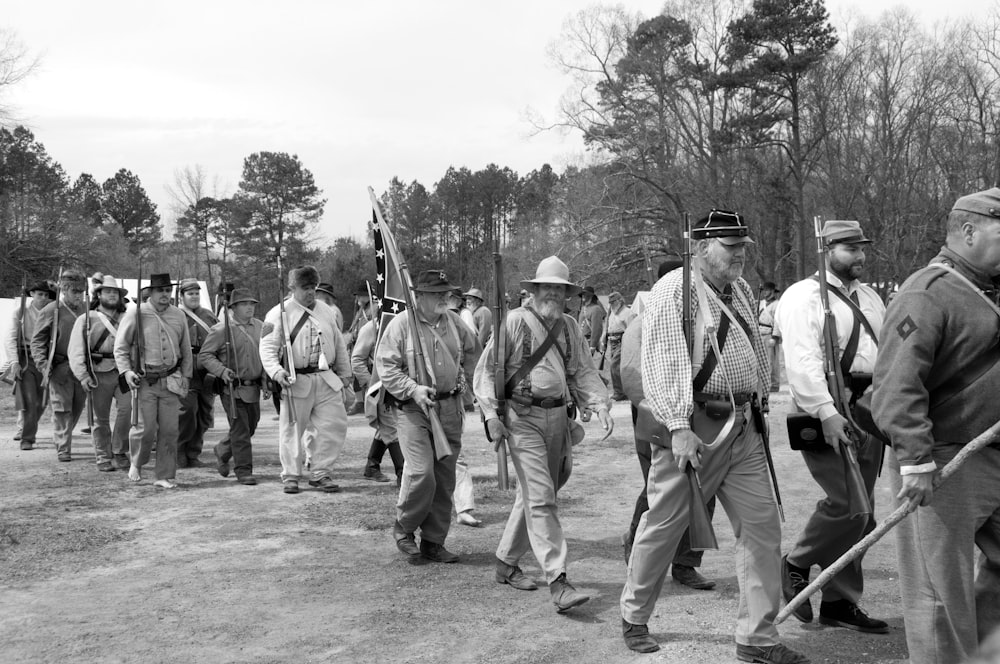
831 531
951 603
158 412
736 471
425 494
68 401
104 397
542 459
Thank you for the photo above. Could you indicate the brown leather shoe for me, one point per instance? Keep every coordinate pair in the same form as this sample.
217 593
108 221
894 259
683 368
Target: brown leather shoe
637 637
220 465
793 581
325 484
513 577
290 486
565 596
405 542
436 553
248 480
690 577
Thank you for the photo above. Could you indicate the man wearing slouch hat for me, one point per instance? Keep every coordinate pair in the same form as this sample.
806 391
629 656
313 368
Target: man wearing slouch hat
50 343
160 372
548 368
448 349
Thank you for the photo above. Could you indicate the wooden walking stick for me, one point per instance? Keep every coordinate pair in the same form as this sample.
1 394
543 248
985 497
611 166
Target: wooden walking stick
984 439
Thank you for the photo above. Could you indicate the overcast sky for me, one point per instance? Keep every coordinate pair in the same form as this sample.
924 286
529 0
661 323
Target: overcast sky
361 91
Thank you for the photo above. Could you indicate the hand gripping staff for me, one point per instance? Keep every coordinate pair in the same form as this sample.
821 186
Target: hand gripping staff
22 352
499 366
289 361
700 526
440 440
984 439
857 496
54 336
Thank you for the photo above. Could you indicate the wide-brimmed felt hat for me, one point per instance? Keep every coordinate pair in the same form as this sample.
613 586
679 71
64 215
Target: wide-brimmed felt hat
985 203
108 281
326 288
241 295
161 280
553 271
42 285
433 281
726 226
475 292
843 231
589 290
188 284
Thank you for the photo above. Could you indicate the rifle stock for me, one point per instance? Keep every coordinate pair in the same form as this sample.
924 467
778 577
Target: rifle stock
858 502
701 532
89 361
500 368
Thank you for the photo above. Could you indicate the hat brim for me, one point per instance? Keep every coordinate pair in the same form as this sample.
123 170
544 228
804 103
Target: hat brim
849 239
246 299
571 288
121 291
733 240
441 288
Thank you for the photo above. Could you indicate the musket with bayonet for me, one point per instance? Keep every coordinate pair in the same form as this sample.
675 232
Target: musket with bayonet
858 502
700 521
230 351
138 355
289 361
88 360
500 367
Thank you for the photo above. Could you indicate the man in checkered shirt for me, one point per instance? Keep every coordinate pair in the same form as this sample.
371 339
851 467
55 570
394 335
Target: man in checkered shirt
734 467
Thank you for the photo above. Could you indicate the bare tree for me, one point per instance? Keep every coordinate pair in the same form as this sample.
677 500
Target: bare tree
16 64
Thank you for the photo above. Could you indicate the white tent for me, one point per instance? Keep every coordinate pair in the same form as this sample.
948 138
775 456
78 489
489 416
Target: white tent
639 302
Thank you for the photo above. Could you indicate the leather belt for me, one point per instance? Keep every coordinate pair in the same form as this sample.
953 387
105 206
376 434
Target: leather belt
249 383
153 375
613 336
547 402
307 370
740 399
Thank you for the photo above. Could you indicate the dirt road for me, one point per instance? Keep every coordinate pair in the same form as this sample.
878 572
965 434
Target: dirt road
95 569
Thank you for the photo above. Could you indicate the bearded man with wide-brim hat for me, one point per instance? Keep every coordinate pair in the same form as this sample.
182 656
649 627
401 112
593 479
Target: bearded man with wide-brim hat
235 360
158 365
28 390
539 389
449 350
50 348
92 360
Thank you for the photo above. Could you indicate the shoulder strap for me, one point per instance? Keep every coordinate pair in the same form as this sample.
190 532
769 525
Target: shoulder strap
536 357
190 314
96 348
859 315
298 326
965 280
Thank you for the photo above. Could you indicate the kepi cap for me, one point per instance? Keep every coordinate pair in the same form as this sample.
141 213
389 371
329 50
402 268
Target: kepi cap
843 231
188 284
726 226
984 203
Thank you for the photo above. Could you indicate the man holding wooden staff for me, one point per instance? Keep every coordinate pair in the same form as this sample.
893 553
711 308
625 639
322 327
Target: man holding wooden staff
691 394
937 377
448 350
832 529
548 367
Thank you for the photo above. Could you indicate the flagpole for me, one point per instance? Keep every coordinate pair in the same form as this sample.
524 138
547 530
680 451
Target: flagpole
440 440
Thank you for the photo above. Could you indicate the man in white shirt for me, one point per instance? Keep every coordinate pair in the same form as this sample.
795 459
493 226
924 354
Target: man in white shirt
830 530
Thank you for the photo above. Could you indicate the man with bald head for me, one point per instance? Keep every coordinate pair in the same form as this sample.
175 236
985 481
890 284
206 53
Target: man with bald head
936 380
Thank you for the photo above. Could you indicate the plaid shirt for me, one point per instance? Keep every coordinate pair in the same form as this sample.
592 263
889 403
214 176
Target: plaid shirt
666 368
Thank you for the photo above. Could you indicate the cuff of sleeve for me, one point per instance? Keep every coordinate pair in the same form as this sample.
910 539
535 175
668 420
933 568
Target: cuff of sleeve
928 467
488 413
678 424
825 411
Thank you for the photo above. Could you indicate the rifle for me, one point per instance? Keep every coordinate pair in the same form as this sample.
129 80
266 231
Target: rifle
857 497
88 360
700 521
439 439
230 354
499 367
289 363
757 411
138 360
54 336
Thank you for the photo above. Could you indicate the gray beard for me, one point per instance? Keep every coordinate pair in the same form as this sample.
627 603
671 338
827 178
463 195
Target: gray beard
549 310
